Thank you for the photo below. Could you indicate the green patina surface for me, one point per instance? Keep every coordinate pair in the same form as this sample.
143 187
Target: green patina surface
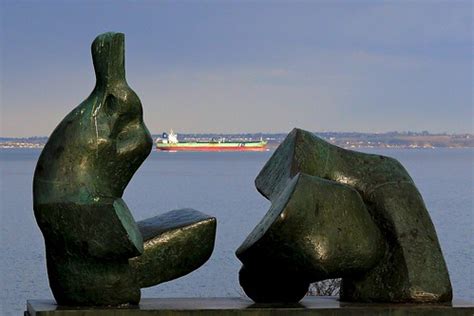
337 213
96 252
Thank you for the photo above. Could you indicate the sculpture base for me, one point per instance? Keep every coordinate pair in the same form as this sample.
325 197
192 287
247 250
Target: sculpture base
321 305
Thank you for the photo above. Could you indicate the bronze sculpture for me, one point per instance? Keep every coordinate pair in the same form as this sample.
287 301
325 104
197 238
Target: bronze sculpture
337 213
96 253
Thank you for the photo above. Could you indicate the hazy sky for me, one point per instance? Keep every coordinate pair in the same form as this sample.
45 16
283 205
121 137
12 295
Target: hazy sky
247 66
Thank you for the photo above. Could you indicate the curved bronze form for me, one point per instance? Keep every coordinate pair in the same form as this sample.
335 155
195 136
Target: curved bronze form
337 213
96 253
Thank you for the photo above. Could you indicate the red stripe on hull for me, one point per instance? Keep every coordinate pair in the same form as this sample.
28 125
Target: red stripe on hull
212 148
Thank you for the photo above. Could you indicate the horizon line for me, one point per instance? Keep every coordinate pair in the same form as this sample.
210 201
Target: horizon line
277 133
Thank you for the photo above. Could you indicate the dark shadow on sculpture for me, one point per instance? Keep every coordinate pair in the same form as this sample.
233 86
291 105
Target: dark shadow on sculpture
337 213
96 253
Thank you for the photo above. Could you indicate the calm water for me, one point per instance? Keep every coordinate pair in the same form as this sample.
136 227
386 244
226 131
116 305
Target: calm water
221 184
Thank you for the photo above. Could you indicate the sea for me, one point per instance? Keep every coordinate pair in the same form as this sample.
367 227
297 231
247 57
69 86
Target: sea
222 184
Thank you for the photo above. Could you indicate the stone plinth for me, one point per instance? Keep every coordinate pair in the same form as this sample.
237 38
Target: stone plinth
239 306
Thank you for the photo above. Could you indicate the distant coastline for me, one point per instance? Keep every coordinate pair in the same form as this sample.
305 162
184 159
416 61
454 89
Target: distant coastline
342 139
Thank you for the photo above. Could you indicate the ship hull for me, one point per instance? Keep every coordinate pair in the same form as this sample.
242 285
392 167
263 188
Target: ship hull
257 146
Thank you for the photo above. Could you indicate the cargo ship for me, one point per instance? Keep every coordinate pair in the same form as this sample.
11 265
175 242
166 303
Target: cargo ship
169 142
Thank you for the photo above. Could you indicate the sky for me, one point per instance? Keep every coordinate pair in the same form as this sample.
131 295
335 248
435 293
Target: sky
246 66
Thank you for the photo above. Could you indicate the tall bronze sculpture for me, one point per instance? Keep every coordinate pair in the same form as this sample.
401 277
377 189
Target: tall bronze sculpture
337 213
96 253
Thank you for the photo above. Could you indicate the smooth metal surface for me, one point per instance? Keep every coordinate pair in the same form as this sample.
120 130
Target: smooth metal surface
338 213
240 306
96 253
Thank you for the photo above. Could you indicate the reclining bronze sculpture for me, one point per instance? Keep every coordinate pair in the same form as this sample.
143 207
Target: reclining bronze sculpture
96 253
338 213
335 213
